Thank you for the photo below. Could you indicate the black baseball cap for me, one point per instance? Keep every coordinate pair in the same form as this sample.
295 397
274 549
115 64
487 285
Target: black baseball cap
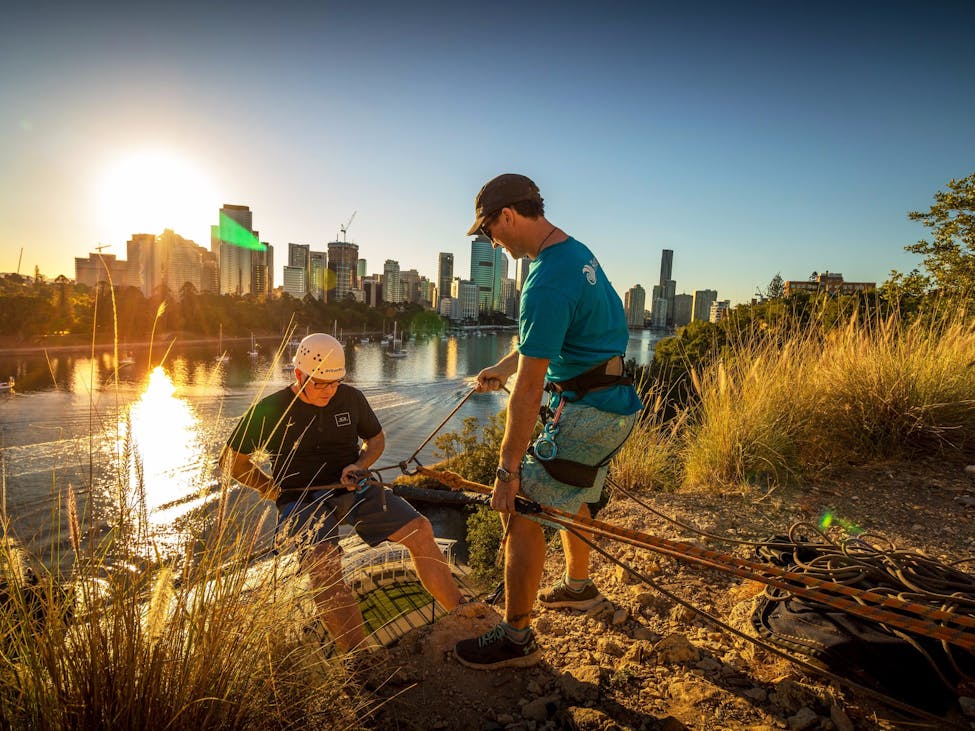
500 192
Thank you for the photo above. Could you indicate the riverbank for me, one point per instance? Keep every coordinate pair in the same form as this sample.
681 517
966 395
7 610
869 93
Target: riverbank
12 347
644 662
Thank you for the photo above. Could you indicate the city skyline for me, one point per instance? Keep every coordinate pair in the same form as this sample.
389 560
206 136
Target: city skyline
749 140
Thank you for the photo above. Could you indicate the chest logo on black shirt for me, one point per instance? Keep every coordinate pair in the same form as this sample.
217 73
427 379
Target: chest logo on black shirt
343 419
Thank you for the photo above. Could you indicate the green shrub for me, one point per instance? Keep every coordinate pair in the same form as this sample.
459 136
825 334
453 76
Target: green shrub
473 452
483 542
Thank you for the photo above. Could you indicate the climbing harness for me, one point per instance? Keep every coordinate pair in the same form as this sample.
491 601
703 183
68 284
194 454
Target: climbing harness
605 375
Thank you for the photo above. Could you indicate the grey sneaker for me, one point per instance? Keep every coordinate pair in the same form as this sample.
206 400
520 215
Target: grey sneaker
494 650
561 596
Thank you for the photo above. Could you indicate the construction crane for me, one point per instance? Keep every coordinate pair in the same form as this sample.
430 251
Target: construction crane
102 246
345 228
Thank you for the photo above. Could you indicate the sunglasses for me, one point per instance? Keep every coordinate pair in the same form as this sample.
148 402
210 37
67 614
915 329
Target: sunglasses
322 385
485 229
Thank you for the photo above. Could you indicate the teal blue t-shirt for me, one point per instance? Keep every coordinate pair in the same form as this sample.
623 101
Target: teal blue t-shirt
571 315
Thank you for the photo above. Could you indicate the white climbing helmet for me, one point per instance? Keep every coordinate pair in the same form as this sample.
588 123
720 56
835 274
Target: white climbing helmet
320 356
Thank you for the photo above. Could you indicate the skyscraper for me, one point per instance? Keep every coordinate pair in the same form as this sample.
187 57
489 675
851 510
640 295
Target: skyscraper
683 309
299 257
342 276
521 272
445 273
634 302
144 268
392 287
668 288
410 285
243 259
666 265
316 274
702 303
487 264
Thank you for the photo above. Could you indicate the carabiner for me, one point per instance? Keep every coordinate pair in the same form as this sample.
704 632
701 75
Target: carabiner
545 447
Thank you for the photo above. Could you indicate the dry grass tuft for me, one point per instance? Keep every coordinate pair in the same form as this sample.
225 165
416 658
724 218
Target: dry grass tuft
776 406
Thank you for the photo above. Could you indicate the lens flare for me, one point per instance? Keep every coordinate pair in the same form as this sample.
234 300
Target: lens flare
829 518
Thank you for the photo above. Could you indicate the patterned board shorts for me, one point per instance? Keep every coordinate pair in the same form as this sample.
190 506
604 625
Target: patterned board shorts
587 435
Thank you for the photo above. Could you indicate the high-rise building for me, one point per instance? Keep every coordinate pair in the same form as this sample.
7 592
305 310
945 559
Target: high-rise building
263 270
182 262
521 272
166 261
294 281
666 265
445 273
210 279
508 298
719 310
410 285
683 309
668 288
299 256
360 269
634 303
466 296
392 287
316 274
101 268
372 291
486 272
244 262
702 304
143 263
343 275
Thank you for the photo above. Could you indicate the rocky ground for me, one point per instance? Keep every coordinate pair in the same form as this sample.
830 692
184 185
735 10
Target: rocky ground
644 662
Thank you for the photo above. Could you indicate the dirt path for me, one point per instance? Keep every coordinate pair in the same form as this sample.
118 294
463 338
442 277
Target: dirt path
647 663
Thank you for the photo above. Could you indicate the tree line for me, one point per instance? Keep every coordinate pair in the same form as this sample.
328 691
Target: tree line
36 309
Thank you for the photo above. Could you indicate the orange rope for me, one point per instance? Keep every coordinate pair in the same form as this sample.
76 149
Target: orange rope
921 619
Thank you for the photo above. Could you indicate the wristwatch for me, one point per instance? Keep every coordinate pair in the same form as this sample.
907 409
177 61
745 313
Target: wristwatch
506 475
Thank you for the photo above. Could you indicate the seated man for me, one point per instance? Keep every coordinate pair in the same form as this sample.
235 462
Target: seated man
310 432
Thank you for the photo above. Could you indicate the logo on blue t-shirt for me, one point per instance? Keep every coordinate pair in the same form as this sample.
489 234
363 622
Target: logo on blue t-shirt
590 270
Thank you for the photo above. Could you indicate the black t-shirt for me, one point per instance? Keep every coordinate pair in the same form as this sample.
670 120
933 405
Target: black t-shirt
306 445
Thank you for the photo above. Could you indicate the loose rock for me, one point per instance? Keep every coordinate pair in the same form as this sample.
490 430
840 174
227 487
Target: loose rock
609 646
539 709
840 720
589 719
804 719
676 648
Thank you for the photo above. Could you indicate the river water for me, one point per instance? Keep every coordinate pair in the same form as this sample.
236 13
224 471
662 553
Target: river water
135 438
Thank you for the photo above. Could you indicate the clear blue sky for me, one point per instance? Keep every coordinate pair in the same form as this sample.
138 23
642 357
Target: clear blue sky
750 137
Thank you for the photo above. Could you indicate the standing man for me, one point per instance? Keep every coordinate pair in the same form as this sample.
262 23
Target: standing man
573 335
310 433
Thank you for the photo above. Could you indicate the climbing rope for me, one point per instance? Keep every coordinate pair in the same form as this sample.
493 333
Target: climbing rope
904 613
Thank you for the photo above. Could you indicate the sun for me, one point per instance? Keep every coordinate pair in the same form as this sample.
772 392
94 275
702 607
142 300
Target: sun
151 190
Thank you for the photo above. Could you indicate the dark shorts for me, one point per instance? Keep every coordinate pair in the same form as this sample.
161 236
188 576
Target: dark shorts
315 518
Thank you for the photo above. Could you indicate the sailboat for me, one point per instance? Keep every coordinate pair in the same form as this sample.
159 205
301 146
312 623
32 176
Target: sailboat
253 351
395 349
221 357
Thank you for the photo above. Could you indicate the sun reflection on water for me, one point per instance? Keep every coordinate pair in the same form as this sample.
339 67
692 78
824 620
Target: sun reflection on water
167 442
